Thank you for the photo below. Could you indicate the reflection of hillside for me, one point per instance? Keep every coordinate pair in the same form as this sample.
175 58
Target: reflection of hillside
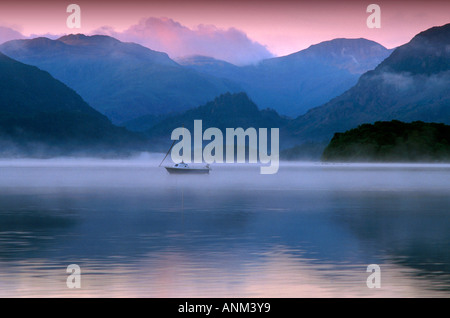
411 229
30 232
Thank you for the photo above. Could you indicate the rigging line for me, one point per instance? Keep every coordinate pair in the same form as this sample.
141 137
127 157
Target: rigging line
167 153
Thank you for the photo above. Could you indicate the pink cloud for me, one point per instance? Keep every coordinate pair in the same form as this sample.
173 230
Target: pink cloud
167 35
8 34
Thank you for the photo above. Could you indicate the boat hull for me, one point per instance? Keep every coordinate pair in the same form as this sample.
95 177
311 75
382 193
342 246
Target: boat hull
173 170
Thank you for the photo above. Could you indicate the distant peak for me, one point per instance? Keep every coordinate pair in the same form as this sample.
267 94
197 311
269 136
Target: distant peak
356 49
339 43
239 100
81 39
200 60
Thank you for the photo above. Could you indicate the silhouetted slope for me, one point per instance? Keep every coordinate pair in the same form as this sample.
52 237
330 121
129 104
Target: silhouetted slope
40 115
225 111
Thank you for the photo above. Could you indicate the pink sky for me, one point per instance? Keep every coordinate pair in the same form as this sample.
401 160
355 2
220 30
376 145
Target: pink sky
283 27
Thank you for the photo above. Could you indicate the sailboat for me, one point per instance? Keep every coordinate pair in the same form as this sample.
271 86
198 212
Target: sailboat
184 168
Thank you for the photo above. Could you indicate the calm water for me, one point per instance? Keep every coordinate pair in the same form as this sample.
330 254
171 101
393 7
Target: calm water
308 231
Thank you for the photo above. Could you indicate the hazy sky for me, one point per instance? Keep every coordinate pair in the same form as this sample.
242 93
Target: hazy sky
279 27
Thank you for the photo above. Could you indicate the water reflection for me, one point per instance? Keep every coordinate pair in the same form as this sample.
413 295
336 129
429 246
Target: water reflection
310 230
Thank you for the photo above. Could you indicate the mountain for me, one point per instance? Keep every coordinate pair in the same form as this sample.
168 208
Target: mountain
39 115
126 81
225 111
212 66
295 83
121 80
411 84
393 141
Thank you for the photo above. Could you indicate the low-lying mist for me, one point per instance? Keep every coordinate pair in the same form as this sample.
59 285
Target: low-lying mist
143 172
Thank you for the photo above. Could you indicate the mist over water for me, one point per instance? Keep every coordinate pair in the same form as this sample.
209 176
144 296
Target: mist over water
309 230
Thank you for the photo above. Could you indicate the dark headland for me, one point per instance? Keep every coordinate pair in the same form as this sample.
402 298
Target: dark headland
391 141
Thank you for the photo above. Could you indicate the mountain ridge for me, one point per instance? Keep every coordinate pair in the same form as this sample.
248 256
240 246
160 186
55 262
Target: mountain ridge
112 75
407 86
297 82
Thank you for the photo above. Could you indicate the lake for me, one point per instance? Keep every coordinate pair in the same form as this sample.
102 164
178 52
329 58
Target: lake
310 230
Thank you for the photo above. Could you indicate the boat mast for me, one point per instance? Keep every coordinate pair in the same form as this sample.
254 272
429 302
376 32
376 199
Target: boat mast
167 153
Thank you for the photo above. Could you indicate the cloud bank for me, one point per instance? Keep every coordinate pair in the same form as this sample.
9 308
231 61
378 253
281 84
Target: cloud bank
8 34
171 37
166 35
